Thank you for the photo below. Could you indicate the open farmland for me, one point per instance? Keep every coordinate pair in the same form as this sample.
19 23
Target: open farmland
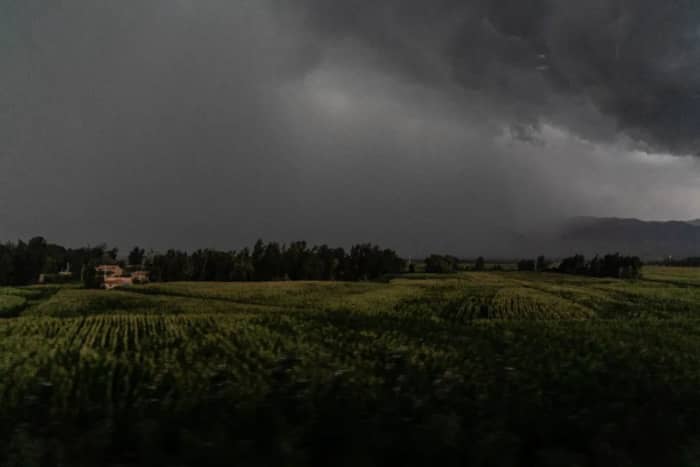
480 368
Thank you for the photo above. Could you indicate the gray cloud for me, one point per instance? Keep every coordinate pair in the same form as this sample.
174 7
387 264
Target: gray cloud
426 126
636 61
156 115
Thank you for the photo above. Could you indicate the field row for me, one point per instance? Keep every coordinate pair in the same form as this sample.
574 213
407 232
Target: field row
193 345
459 298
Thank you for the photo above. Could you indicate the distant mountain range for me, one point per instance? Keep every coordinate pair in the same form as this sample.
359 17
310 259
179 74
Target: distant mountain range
648 239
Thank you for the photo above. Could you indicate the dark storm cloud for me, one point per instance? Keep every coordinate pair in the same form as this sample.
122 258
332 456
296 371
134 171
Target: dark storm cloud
150 122
425 126
637 61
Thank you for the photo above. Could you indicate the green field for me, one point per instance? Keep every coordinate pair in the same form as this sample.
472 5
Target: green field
477 368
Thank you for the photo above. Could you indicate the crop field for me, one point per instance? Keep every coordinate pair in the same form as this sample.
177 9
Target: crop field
476 368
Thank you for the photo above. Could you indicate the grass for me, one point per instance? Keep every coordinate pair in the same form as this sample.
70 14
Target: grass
11 305
675 275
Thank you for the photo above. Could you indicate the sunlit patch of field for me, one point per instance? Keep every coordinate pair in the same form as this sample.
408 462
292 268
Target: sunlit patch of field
79 302
674 275
355 296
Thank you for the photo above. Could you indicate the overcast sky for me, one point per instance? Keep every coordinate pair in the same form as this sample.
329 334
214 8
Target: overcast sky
439 125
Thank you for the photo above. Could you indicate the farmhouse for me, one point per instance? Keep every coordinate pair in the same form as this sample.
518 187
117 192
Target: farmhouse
110 270
114 276
112 282
141 277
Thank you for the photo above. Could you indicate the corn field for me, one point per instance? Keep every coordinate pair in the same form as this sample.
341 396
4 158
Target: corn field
470 369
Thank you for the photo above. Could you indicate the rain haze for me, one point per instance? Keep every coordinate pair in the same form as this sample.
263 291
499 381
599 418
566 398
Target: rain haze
423 126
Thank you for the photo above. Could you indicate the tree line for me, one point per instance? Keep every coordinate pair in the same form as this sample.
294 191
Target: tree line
692 262
275 261
540 264
444 264
22 263
610 265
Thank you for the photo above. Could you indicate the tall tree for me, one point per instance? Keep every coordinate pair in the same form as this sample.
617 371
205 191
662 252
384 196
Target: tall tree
136 256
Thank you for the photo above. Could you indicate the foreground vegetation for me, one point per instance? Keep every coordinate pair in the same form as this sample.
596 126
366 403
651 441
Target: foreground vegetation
480 368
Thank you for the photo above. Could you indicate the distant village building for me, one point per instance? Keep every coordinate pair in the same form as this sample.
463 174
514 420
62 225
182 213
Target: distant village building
111 282
114 276
140 277
66 274
53 278
110 270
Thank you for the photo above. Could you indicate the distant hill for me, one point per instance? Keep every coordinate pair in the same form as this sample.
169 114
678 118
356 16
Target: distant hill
648 239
